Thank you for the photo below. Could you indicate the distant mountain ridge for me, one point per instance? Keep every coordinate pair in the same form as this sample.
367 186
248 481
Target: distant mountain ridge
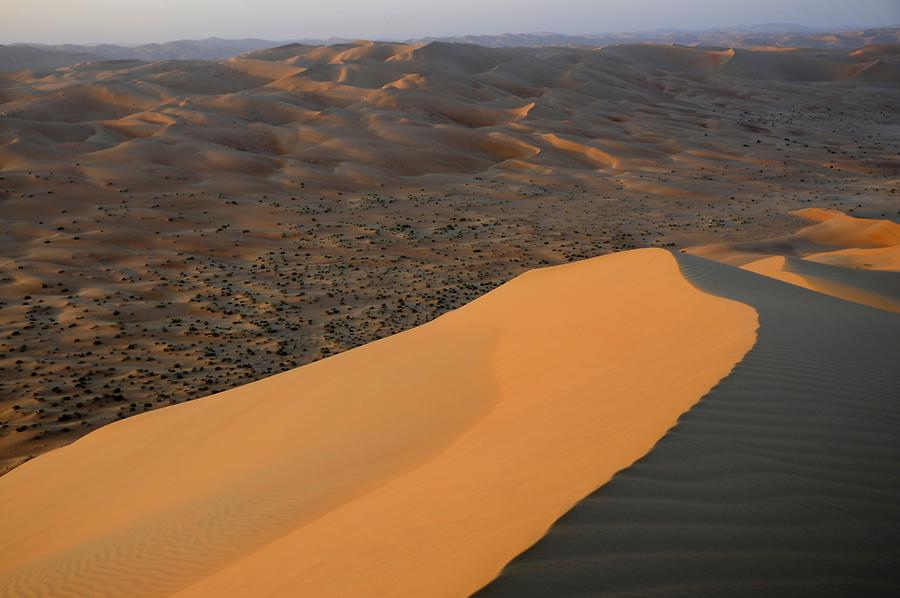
776 34
212 48
36 56
14 58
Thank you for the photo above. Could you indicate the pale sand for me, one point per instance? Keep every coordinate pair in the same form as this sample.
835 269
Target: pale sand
782 481
415 465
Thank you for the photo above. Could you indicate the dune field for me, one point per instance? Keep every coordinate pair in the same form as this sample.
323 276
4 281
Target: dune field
174 229
437 319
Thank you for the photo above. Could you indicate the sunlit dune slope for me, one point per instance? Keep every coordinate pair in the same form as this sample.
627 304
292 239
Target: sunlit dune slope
852 258
413 466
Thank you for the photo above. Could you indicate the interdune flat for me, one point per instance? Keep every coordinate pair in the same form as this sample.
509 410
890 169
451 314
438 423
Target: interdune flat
417 465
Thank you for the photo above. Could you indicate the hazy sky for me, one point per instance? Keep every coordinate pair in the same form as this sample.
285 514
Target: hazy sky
138 21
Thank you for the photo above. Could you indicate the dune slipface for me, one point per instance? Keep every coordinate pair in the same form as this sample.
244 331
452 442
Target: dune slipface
781 482
413 466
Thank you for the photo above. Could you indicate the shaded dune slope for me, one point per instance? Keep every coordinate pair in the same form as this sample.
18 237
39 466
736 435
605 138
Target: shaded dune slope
781 481
868 287
855 259
386 470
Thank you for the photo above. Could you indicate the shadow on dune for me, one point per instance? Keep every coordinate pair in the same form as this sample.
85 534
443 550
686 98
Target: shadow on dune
782 481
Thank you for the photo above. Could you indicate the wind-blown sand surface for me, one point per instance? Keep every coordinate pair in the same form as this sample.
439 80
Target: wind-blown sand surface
781 482
415 465
174 229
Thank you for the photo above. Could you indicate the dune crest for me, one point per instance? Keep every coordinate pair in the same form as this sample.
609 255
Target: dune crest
415 465
839 255
782 481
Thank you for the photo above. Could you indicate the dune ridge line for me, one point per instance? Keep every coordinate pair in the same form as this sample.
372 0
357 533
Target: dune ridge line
782 480
419 464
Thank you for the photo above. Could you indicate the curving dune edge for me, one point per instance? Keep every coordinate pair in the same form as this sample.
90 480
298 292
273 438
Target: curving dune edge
781 481
416 465
854 259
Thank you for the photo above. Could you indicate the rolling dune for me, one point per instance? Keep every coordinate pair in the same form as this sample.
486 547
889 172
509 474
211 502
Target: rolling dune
553 99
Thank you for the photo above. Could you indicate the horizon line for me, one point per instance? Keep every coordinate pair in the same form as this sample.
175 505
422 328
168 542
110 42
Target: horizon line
337 38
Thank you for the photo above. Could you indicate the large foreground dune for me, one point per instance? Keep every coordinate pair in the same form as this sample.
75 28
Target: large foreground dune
414 466
424 463
421 464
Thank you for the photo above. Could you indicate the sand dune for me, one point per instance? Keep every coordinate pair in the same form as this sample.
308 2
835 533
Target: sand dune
878 289
781 481
841 230
851 258
391 469
423 463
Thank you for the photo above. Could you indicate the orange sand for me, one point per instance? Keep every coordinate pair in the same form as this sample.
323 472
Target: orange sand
416 465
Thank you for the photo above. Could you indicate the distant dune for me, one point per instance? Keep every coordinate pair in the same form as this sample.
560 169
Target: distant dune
19 56
14 58
363 114
852 258
766 35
